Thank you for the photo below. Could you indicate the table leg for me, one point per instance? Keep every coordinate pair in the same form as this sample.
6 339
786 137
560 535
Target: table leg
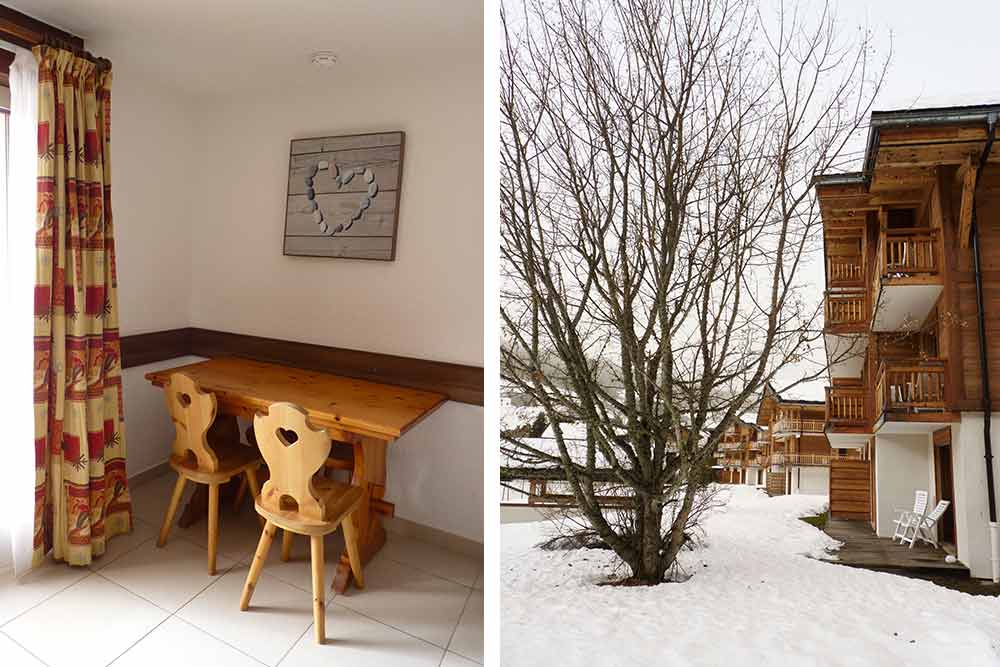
369 474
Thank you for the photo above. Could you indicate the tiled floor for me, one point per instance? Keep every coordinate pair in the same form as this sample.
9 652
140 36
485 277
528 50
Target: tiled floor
140 605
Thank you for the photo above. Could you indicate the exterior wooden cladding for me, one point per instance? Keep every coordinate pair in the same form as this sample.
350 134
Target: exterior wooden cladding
850 490
456 381
946 372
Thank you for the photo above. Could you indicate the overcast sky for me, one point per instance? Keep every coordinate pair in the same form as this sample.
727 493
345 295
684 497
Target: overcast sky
944 52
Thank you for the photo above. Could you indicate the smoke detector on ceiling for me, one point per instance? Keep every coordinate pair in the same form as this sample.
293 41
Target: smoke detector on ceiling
324 58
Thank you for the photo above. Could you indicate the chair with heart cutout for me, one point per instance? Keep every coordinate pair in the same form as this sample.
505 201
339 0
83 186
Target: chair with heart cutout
299 501
201 458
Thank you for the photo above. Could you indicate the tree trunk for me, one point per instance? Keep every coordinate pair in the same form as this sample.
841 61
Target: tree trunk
649 566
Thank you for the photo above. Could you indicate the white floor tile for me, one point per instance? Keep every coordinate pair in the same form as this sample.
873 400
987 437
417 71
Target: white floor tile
15 656
479 582
90 623
298 570
455 660
279 613
174 640
122 544
468 637
430 558
408 599
16 597
150 499
167 577
238 534
355 641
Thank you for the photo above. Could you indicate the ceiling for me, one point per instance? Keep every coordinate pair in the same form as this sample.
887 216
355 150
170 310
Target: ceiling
218 47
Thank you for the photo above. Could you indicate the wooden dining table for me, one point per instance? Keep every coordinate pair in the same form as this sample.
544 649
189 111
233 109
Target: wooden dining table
365 415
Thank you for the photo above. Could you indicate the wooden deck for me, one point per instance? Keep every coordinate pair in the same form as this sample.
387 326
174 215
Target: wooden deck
862 548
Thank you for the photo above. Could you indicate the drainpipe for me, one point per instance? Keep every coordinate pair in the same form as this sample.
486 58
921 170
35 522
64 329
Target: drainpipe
984 363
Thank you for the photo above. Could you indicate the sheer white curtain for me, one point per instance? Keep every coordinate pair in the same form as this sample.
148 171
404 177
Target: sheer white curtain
17 273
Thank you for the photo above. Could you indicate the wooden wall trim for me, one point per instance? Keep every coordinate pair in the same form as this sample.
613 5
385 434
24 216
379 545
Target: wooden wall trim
147 348
457 381
26 31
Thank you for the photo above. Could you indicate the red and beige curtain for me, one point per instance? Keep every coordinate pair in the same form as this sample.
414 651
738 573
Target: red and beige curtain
81 490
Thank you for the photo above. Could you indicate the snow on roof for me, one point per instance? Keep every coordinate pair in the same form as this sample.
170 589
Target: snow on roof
813 391
939 101
577 448
514 416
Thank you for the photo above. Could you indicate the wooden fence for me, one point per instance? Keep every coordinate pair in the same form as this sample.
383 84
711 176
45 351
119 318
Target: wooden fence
850 490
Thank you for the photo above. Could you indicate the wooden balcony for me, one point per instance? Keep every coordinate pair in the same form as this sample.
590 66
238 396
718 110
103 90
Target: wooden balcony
846 311
811 459
792 426
730 462
845 409
844 250
911 387
907 278
911 254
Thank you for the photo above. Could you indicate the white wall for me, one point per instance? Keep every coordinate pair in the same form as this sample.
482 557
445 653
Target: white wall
198 191
811 480
436 471
903 464
151 148
428 303
971 508
148 430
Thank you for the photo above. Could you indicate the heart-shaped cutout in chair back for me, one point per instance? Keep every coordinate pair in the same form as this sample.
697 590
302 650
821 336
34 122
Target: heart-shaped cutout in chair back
287 437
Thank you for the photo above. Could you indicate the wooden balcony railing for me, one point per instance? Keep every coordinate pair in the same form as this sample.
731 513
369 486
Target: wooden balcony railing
844 271
911 386
845 406
790 425
811 459
732 442
731 462
847 309
909 252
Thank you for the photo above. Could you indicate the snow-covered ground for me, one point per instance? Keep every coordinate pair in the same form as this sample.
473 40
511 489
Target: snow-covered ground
755 598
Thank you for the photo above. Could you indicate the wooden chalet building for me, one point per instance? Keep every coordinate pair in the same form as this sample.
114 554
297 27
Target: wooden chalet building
737 460
912 320
796 455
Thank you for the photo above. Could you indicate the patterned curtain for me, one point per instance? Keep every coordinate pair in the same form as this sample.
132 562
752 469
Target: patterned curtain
81 490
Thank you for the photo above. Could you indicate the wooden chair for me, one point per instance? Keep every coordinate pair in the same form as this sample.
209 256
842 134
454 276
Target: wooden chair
341 458
193 412
297 501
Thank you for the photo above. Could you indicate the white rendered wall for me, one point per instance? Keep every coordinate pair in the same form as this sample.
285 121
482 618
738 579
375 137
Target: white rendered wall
971 507
811 480
152 144
148 431
903 464
428 303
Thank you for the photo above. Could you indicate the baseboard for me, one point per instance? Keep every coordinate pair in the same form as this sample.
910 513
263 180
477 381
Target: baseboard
149 473
441 538
397 525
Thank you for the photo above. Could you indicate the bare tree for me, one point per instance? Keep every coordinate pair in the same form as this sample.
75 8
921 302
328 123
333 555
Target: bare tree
656 161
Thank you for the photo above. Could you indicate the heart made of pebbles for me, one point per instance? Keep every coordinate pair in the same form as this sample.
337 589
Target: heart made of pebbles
341 178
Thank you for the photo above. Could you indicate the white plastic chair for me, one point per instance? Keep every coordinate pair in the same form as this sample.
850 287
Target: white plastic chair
924 528
906 518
